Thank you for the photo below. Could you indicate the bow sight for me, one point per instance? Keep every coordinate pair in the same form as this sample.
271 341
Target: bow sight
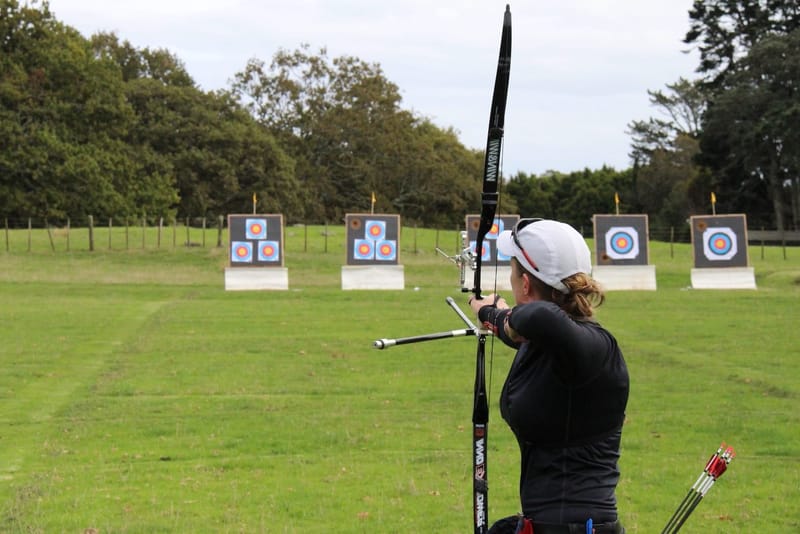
467 258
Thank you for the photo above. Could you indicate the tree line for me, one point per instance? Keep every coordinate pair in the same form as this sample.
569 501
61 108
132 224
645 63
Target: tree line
97 126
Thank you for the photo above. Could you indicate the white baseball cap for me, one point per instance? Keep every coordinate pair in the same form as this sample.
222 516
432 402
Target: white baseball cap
549 250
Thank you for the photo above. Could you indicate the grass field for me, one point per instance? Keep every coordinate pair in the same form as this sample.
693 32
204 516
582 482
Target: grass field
137 396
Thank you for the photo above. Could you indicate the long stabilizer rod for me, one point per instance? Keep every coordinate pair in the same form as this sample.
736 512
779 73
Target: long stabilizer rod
472 330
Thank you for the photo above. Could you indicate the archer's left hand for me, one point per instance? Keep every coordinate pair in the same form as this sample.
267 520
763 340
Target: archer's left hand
488 300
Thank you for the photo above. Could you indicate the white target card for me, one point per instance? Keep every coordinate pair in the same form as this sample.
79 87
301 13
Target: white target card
719 241
621 239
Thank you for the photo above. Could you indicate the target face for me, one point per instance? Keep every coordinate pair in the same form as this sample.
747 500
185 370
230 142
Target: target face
375 230
268 251
719 244
255 229
622 242
241 252
386 251
719 241
490 255
256 240
620 239
364 249
372 239
486 250
497 227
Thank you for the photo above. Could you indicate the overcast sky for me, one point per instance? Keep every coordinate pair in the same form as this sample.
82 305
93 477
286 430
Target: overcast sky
580 69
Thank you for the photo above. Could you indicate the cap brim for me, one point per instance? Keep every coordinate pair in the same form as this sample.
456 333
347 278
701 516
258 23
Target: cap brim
505 244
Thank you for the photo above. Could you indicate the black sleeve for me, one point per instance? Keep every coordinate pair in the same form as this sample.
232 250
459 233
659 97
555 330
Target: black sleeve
577 343
493 319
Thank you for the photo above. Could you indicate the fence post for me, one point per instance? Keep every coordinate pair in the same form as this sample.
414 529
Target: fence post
188 241
29 234
783 243
671 241
204 232
219 231
110 225
305 236
50 236
91 233
158 232
68 228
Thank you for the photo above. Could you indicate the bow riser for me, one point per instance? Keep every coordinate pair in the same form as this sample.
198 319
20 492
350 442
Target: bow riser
489 201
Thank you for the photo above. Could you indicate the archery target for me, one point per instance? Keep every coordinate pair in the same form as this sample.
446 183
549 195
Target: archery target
268 251
364 249
256 240
255 229
719 244
372 239
620 239
490 255
496 229
486 250
719 241
375 230
385 251
622 242
241 252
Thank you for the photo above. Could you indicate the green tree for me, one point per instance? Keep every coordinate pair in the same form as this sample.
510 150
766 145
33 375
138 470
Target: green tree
535 195
215 153
681 107
664 180
341 121
158 64
724 31
65 117
751 136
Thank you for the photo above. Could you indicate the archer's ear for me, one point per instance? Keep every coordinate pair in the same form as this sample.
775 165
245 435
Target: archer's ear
527 284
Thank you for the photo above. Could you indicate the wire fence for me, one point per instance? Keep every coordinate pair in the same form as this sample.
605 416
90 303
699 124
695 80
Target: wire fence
127 233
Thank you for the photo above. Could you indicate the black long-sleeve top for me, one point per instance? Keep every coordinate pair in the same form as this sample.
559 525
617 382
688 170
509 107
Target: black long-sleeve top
564 399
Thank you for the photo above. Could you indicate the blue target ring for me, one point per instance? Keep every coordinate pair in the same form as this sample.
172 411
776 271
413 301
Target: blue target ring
241 252
364 249
621 242
255 228
375 230
720 243
497 228
269 251
386 250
